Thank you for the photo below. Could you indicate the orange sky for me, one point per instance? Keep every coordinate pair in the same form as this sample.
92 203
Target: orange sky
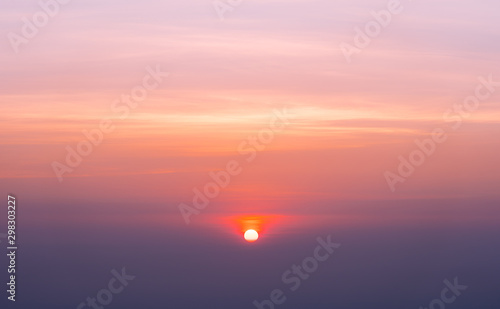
350 121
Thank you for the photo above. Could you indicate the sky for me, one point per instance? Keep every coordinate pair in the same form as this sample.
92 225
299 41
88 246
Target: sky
150 135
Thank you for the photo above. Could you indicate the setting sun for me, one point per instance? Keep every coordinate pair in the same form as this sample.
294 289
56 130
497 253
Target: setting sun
251 235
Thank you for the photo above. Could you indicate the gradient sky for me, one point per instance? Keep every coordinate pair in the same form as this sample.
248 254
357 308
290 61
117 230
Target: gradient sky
323 174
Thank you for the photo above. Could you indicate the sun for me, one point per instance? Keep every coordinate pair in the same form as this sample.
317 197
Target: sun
251 235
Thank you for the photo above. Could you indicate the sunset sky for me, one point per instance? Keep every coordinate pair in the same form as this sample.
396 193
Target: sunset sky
324 172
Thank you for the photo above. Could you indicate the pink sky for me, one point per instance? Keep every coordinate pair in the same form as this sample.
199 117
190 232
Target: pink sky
351 121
